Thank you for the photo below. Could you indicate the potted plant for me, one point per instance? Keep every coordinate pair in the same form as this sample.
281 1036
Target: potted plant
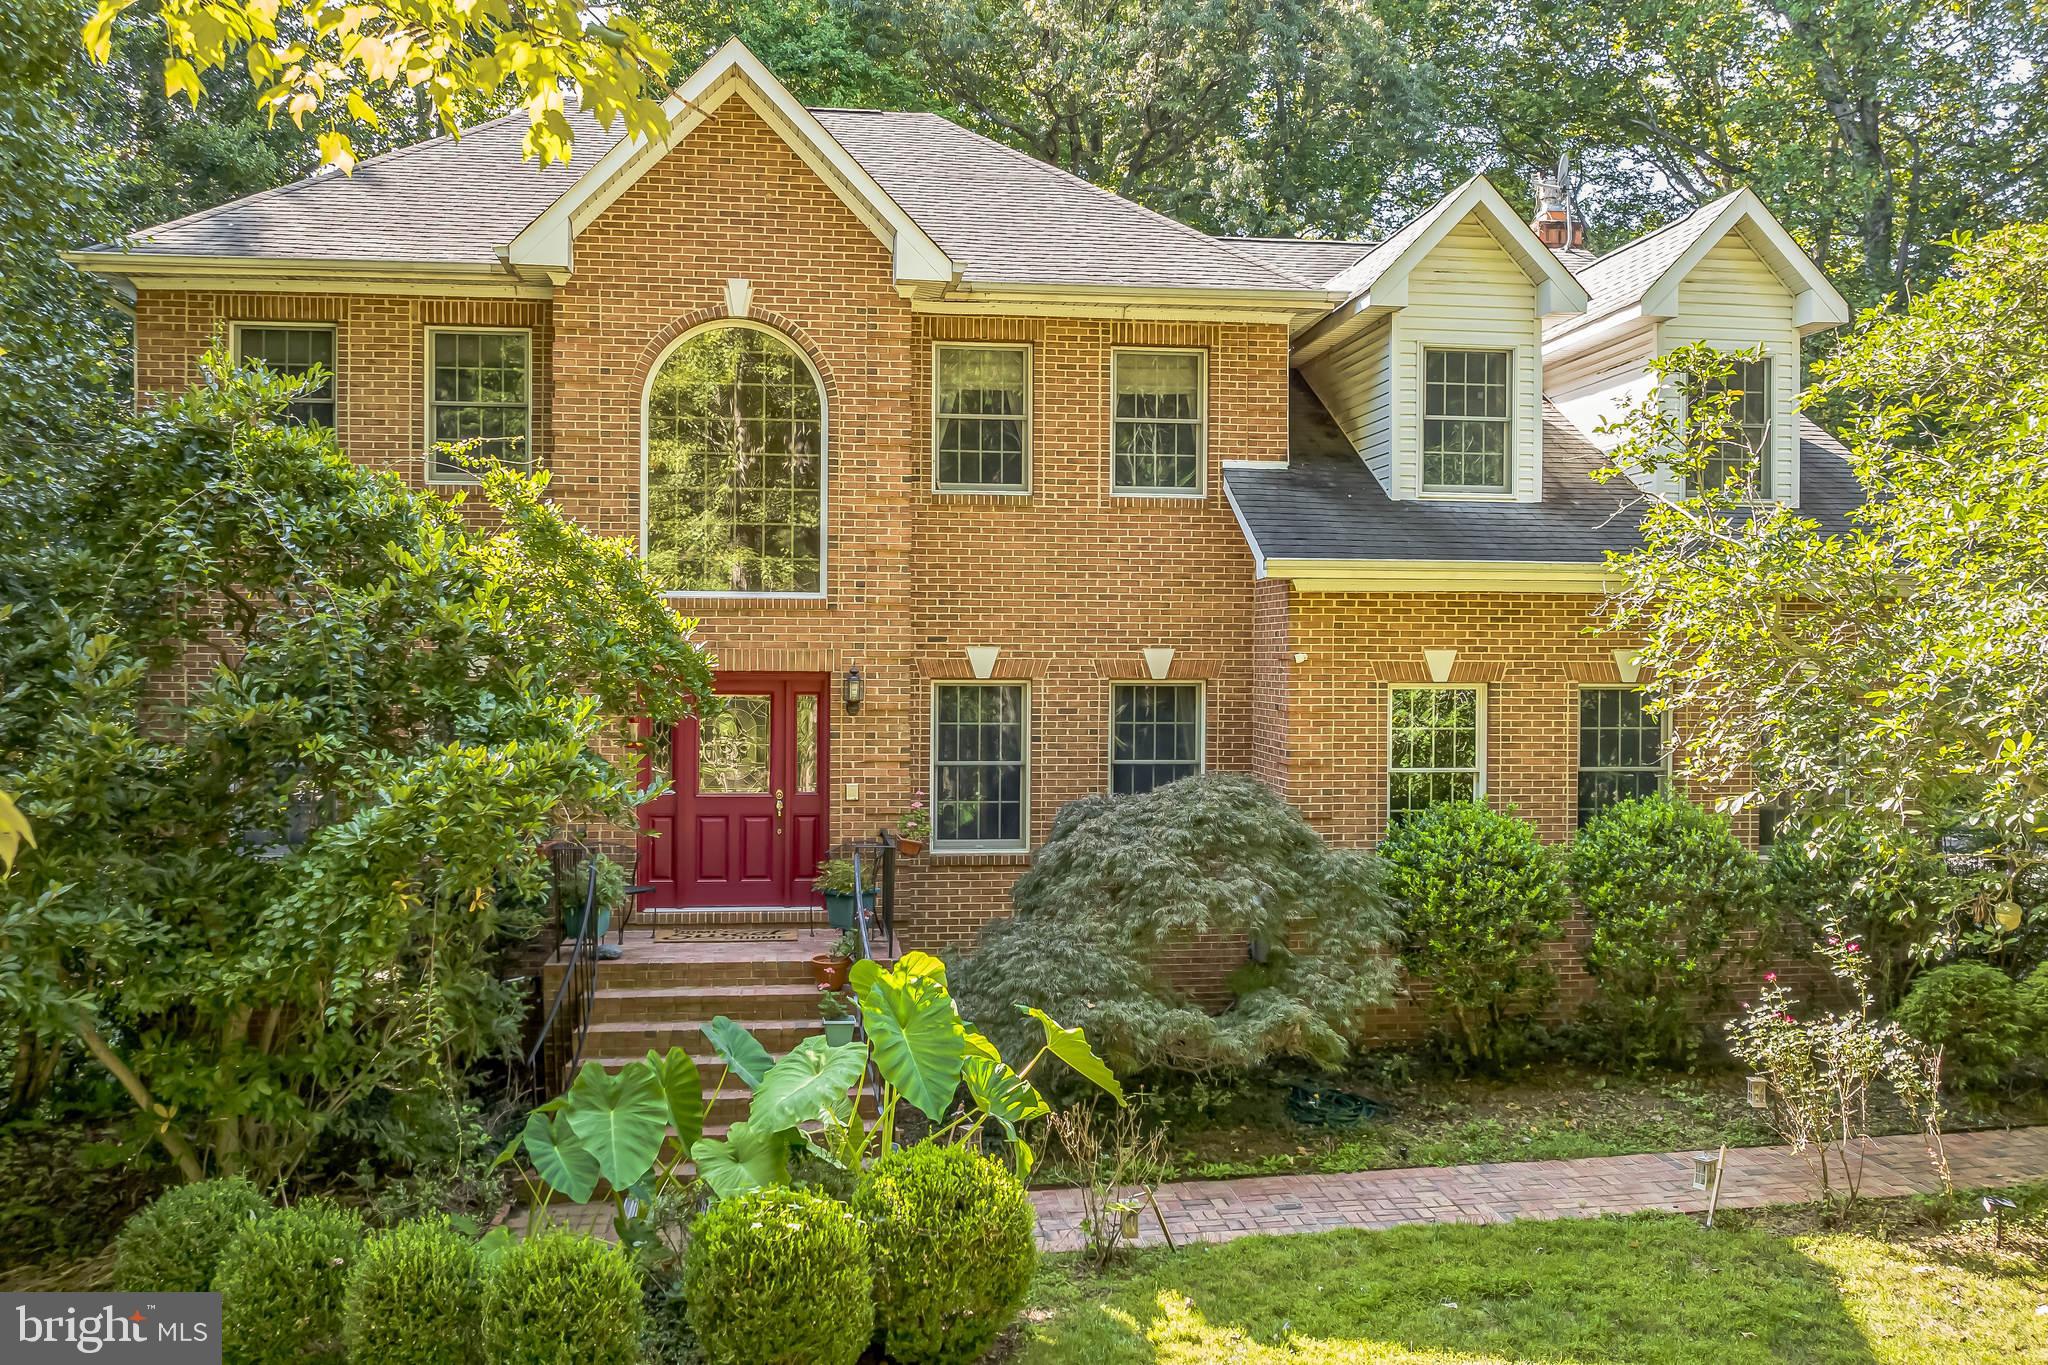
831 966
914 830
835 883
837 1013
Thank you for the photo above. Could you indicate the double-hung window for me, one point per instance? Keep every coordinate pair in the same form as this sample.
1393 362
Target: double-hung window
480 391
980 765
1157 427
1621 748
1155 735
292 352
1744 454
981 418
1466 426
1438 747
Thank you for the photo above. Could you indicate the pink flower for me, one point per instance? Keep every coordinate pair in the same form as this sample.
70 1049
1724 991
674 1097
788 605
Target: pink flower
1854 948
1770 976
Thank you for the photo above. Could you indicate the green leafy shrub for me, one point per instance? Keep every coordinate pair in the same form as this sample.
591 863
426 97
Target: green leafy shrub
780 1277
1124 884
561 1297
282 1282
415 1298
1480 896
66 1184
1670 896
953 1251
175 1245
1843 881
2033 998
1975 1015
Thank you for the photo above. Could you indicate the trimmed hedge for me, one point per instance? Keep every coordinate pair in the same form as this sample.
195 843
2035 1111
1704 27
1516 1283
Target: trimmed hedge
175 1245
1975 1015
561 1298
951 1232
416 1298
282 1282
780 1277
1480 896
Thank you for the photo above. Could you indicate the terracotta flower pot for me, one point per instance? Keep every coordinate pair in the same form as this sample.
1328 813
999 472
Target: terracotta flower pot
830 971
909 848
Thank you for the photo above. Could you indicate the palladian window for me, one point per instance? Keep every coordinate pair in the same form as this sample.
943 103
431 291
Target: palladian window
736 466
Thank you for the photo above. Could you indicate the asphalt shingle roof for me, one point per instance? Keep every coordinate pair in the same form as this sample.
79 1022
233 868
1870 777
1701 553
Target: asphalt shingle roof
1318 260
1002 216
1624 274
1325 503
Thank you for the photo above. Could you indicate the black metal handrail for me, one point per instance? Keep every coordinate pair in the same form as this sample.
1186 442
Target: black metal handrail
569 1012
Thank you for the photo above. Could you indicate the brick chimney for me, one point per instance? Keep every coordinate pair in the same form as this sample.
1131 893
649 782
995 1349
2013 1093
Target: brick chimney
1557 222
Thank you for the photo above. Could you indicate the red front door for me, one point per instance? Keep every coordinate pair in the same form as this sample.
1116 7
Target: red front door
745 823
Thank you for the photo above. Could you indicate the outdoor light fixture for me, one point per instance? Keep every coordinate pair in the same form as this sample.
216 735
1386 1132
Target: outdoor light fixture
1758 1089
1705 1166
1996 1207
854 691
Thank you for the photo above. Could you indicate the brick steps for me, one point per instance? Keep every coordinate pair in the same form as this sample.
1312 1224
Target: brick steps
751 917
776 1002
638 1037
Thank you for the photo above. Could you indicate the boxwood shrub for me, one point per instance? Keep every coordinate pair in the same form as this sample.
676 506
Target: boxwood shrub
951 1232
780 1277
1673 901
281 1285
561 1297
1480 896
416 1297
175 1245
1977 1017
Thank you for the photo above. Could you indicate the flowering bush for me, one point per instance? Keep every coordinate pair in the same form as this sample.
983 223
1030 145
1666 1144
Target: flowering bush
916 824
1823 1070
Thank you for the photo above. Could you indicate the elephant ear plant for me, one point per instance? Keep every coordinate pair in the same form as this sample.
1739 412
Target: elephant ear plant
612 1128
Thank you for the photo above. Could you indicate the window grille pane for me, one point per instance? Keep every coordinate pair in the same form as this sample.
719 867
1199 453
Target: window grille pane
480 383
806 742
733 747
735 467
1465 420
1155 735
1745 456
1435 751
982 398
291 352
978 765
1157 436
1621 748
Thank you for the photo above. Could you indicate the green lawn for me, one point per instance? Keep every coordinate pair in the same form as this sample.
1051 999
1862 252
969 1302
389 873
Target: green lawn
1645 1290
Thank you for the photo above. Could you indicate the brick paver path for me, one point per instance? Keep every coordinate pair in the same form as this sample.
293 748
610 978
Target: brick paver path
1497 1192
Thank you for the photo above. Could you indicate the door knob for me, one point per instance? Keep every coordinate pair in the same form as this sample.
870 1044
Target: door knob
778 805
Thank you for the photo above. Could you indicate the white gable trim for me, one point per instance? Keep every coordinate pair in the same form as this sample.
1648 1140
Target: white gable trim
546 247
1816 304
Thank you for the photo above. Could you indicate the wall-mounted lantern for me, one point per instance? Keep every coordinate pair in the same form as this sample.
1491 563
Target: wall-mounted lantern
853 691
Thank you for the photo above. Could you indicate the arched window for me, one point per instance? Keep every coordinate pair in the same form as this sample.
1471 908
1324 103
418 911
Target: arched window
735 496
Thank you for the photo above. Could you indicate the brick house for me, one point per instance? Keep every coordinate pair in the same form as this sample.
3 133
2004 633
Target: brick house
1081 498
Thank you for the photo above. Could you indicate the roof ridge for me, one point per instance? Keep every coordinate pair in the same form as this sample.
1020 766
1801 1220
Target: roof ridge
1314 241
1632 243
304 182
1046 167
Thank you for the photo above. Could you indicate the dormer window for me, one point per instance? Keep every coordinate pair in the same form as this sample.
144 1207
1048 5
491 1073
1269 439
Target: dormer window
1745 456
1466 427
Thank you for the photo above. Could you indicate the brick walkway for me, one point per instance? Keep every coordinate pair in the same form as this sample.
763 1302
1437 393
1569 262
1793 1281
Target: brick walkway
1498 1192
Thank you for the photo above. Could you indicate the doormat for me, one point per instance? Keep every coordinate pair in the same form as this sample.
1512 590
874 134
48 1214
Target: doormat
668 933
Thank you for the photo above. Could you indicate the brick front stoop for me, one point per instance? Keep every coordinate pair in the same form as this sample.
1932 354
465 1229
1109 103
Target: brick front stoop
1502 1191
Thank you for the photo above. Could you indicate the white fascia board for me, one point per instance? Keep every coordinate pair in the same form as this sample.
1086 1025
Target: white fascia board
1439 575
139 270
1294 309
548 242
1817 304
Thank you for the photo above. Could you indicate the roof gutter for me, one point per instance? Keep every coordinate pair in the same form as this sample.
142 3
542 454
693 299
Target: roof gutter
1293 308
1441 575
141 270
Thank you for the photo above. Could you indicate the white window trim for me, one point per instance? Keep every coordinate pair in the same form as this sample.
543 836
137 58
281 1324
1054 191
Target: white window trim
1579 768
235 330
1768 460
1481 740
1201 687
824 467
1201 488
427 395
1464 492
1023 844
993 490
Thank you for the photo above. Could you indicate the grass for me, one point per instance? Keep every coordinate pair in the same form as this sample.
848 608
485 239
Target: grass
1907 1284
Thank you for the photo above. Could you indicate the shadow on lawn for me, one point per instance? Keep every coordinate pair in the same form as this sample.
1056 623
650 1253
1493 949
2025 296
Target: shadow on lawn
1650 1290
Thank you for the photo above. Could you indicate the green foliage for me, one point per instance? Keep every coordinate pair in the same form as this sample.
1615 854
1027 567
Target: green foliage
1124 883
394 709
1975 1015
835 877
559 1297
415 1297
282 1282
1869 678
174 1245
1480 896
1894 903
2032 993
1673 900
780 1277
953 1252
